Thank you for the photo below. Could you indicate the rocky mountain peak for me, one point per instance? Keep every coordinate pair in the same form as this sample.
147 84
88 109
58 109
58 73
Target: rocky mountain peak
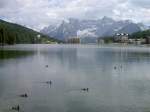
97 28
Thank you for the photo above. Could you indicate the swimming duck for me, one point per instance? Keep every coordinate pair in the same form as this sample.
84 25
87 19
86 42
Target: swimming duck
16 108
85 89
49 82
24 95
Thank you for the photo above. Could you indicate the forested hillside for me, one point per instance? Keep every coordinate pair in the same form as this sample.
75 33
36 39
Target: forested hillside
141 34
16 34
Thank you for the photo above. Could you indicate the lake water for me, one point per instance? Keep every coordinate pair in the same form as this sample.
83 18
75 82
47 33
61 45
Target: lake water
118 78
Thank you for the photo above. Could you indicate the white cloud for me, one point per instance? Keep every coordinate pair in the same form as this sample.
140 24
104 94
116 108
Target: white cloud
87 33
141 3
37 14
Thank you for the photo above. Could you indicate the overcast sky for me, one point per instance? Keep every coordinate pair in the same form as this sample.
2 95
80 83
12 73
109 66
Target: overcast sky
39 13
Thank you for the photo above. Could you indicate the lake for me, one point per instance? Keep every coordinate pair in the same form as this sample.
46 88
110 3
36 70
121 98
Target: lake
118 78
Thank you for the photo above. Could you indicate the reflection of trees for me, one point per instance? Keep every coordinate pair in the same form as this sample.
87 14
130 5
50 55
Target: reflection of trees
8 54
1 85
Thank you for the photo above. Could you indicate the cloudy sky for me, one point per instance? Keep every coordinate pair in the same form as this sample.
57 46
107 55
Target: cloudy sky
39 13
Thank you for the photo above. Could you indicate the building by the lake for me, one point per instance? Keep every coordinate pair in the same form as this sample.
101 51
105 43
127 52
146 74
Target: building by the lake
121 38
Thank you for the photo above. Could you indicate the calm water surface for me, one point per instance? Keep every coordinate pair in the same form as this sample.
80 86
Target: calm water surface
72 67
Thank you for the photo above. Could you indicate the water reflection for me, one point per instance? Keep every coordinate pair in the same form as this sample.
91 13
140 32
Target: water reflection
9 54
117 78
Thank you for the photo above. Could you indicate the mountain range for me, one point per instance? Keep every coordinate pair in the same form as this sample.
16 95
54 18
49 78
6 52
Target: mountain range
92 28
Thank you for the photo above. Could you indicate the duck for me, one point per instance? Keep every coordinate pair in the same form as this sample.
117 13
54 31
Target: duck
24 95
115 67
46 66
49 82
16 108
85 89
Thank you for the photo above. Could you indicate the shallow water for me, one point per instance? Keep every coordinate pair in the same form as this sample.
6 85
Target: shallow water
118 78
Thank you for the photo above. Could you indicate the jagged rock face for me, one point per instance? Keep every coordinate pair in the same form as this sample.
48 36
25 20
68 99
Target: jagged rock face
91 28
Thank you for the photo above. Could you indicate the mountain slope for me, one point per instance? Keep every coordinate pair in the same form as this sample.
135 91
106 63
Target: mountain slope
96 28
13 33
130 28
141 34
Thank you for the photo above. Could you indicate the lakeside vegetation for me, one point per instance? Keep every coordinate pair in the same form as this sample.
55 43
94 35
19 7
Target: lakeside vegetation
11 33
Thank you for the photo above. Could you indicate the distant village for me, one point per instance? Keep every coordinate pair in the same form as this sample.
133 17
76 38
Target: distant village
117 38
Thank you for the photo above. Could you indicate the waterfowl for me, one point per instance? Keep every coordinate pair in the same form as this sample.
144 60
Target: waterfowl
24 95
115 67
49 82
85 89
16 108
46 66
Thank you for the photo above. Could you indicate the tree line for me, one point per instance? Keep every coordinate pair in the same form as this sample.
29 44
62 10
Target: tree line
140 34
16 34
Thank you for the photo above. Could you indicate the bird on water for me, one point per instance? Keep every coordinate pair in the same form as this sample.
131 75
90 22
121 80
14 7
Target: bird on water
16 108
85 89
24 95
